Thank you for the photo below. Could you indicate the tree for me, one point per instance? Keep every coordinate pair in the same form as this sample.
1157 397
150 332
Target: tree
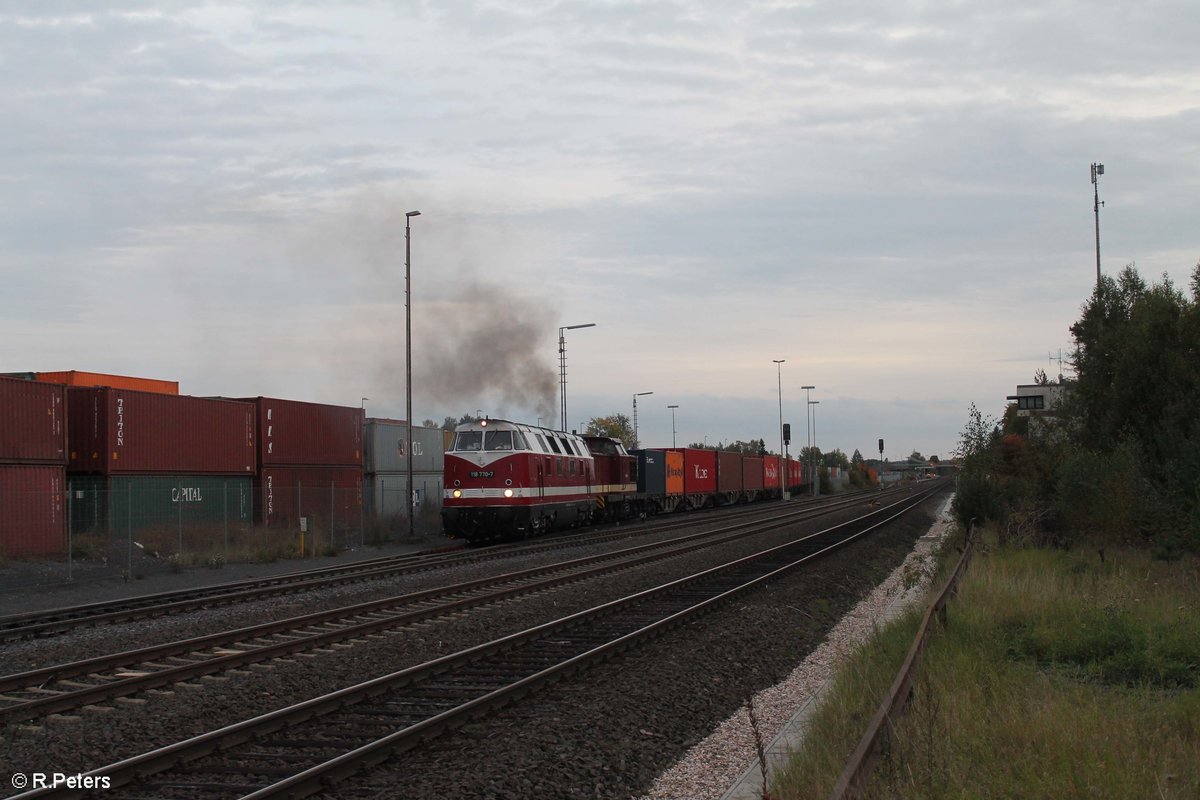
835 458
450 423
857 458
1133 404
754 447
915 455
616 426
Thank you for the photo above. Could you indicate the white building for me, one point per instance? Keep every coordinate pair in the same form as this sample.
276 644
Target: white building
1037 399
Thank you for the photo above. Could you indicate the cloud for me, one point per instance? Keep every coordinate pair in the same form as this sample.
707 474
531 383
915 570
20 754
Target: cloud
891 196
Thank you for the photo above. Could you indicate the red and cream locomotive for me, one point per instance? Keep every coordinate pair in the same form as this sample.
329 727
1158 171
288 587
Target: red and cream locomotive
506 479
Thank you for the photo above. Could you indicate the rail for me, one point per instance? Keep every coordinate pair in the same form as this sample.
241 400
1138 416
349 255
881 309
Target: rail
354 727
858 770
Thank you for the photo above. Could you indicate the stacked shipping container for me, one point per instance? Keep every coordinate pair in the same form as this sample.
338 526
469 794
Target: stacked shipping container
310 465
32 459
386 453
148 460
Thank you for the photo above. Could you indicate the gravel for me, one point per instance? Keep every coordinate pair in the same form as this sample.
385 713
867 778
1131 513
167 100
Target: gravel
610 733
711 767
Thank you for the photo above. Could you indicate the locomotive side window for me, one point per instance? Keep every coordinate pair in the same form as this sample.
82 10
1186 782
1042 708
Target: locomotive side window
554 447
498 440
469 441
542 443
519 442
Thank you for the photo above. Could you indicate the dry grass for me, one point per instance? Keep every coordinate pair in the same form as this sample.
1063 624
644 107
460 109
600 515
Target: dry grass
1061 676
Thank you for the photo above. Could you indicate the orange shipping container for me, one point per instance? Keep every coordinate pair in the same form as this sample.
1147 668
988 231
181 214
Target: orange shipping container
77 378
674 472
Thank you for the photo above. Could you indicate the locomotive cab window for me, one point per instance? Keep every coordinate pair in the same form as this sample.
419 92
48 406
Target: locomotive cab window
498 440
469 441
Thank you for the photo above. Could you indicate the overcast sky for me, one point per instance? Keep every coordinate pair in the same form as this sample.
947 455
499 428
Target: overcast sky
892 196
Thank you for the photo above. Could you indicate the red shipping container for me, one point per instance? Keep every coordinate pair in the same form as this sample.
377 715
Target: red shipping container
699 470
729 471
752 472
285 494
32 519
295 433
795 473
33 426
113 431
771 472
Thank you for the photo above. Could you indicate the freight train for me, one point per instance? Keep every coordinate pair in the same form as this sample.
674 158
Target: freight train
506 479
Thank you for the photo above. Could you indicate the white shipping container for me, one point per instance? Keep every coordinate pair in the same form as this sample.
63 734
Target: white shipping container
386 447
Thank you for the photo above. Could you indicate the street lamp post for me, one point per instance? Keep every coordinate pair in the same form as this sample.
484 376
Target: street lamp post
816 466
779 362
1097 171
635 432
807 416
672 424
562 367
408 360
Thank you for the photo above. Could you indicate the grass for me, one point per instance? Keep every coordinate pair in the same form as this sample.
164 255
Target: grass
1061 675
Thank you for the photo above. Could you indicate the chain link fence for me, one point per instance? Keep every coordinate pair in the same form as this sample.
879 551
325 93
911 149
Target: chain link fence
132 527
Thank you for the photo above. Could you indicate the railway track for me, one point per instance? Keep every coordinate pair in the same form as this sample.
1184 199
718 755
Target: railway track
62 620
305 748
64 688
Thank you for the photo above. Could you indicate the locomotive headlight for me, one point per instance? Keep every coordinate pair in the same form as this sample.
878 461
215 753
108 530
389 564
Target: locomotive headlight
457 493
508 492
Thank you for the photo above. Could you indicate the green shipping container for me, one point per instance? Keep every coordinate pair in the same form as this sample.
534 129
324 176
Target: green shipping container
138 503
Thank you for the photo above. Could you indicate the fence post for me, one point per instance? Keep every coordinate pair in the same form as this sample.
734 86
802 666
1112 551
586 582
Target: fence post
179 503
332 517
70 565
225 516
128 521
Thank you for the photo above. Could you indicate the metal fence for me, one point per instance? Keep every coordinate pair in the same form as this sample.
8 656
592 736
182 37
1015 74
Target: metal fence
137 526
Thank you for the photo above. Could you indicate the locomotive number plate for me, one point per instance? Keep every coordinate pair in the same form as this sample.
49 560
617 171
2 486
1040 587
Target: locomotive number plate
482 474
